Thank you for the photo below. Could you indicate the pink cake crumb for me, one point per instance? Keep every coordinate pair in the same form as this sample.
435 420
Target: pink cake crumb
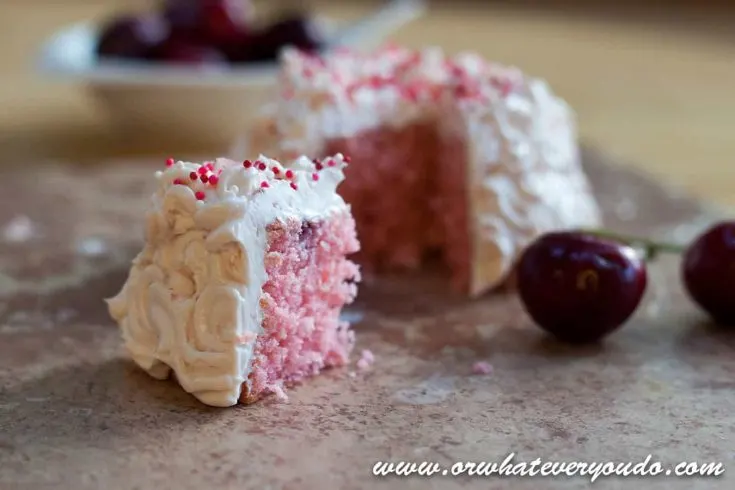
280 394
366 360
482 368
310 279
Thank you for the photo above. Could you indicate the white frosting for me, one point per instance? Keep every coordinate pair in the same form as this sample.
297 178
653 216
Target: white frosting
191 301
523 175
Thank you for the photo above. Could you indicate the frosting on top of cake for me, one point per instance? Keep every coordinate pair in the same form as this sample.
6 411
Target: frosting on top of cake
191 301
224 179
416 74
341 94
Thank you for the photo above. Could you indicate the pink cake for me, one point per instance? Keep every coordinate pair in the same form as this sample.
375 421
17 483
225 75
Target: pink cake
240 284
452 157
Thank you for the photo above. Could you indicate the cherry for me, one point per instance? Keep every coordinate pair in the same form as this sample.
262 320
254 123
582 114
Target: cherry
132 37
294 30
580 287
183 15
223 22
708 272
217 22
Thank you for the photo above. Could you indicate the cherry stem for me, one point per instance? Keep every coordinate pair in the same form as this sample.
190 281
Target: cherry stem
651 248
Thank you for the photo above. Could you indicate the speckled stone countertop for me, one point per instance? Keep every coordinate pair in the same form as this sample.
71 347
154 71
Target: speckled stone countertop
76 414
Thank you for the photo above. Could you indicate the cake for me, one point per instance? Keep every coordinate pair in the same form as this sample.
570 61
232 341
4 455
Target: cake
243 273
453 157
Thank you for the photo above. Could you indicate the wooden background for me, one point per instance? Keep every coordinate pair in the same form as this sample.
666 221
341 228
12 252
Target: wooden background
653 85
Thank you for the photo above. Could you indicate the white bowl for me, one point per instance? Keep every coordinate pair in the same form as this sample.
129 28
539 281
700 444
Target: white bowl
202 107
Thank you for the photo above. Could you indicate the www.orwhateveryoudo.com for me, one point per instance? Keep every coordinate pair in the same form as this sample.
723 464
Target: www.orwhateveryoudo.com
540 468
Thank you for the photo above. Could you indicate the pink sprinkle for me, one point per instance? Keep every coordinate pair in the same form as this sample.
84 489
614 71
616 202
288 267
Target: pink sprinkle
213 179
347 159
261 166
289 174
204 178
276 171
366 360
294 186
331 163
315 176
199 195
202 170
264 185
481 368
178 182
193 176
170 162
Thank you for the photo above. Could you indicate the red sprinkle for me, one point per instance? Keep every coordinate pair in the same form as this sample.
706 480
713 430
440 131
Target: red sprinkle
315 176
276 171
193 176
209 165
199 195
264 184
204 178
213 179
261 166
289 174
319 165
178 182
247 164
376 81
331 163
202 170
294 186
170 162
347 159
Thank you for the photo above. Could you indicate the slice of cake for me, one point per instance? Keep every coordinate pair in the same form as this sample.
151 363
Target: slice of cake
239 286
452 157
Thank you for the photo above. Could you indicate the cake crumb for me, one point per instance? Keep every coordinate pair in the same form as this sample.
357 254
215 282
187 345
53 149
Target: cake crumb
281 395
19 230
366 360
481 368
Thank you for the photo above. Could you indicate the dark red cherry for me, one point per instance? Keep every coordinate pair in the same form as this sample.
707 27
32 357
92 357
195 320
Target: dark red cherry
183 15
220 23
578 287
132 37
182 52
296 30
708 272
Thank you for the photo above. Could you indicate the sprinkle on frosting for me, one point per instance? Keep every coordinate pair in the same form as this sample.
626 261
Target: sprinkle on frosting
415 75
252 176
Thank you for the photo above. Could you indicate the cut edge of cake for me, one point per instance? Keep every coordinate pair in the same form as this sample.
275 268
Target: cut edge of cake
218 295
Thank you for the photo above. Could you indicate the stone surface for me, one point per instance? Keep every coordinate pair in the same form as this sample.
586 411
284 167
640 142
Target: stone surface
76 414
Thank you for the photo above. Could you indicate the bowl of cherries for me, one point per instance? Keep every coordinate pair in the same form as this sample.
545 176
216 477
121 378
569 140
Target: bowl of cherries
199 70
